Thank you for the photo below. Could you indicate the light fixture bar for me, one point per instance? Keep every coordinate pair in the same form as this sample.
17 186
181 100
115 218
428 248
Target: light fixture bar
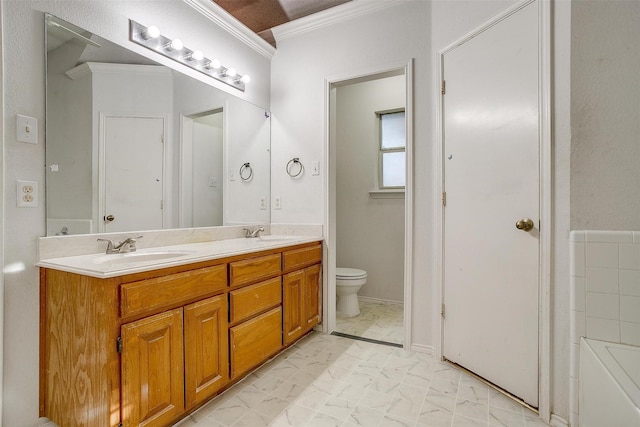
193 59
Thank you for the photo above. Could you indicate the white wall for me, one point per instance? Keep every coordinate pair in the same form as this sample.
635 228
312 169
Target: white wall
23 26
412 29
248 140
605 112
370 232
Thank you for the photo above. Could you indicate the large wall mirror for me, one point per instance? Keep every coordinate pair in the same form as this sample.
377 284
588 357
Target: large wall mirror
132 145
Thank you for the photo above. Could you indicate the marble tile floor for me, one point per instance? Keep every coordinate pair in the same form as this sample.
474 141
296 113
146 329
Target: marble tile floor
378 321
325 380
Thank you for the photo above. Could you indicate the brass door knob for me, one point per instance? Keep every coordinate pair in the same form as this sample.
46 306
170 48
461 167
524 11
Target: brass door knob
525 224
109 218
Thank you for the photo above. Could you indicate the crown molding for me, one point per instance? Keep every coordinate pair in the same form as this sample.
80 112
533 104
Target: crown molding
231 25
343 12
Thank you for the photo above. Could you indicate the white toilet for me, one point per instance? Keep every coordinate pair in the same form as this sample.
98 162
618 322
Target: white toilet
348 283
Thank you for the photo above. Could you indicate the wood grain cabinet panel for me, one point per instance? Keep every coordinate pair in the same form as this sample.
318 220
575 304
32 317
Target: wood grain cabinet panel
206 349
292 289
255 340
254 269
300 258
152 370
250 300
301 302
312 296
147 296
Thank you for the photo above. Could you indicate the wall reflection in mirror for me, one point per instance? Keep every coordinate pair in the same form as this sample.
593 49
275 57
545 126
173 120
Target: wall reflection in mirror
133 145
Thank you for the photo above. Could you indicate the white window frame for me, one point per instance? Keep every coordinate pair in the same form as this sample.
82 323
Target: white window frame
387 191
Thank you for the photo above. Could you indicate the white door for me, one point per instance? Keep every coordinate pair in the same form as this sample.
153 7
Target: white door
133 178
491 175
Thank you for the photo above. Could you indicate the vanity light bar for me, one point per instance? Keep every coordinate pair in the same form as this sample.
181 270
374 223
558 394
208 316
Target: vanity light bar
151 38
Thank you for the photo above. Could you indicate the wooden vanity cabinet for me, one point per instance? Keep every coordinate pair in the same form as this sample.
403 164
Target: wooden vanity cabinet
145 349
152 370
302 291
255 311
206 349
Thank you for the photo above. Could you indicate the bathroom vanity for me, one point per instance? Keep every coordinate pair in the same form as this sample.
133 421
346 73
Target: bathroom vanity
149 344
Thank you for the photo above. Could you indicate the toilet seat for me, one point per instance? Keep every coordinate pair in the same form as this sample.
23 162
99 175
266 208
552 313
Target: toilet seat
343 273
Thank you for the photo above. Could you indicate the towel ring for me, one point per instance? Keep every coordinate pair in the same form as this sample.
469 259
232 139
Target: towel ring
291 165
243 171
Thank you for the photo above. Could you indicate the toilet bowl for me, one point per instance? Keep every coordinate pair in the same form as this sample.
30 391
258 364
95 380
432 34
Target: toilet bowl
348 283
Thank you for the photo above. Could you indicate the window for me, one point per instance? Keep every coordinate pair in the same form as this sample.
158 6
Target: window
392 165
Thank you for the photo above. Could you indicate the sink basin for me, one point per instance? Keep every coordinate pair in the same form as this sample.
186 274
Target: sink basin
277 238
140 256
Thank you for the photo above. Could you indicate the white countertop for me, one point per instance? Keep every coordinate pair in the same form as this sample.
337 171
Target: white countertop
104 266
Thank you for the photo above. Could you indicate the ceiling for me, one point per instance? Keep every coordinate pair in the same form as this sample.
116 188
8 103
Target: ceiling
262 15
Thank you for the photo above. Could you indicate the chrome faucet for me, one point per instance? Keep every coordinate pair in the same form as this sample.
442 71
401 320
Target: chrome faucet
127 245
255 233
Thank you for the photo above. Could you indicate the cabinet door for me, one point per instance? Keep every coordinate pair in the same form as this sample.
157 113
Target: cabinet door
206 349
292 286
312 295
152 370
254 341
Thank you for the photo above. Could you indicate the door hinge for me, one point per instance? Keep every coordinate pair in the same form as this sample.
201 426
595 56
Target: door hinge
119 344
442 311
443 87
444 198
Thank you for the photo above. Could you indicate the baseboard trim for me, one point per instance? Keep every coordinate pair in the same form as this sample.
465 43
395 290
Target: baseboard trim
380 301
558 421
420 348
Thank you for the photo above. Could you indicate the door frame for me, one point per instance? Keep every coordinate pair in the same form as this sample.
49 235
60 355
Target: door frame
186 138
546 186
329 157
102 181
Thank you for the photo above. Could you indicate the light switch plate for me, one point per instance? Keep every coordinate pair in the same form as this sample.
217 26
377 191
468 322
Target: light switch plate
27 194
26 129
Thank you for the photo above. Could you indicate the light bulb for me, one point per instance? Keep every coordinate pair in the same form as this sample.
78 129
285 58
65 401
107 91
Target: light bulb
246 78
231 72
214 63
197 55
151 32
175 44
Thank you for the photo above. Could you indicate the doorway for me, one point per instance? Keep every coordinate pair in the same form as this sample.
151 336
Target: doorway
368 221
202 177
492 137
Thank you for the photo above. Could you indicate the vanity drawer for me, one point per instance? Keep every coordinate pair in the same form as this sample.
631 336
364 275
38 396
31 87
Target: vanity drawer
300 258
154 294
253 299
254 269
255 340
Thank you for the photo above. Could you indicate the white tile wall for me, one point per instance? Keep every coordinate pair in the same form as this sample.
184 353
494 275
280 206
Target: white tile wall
604 294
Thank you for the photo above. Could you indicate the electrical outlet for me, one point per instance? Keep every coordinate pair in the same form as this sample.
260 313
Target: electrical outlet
27 194
277 203
315 168
263 203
